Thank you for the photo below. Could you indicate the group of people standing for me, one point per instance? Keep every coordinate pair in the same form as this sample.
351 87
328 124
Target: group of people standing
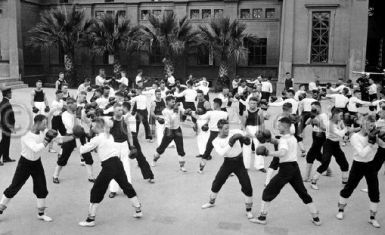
108 125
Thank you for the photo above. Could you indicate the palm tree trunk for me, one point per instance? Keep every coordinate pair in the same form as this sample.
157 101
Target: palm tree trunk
117 66
223 73
168 66
69 68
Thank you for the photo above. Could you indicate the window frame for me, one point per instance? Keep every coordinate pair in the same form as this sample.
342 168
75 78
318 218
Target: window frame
245 9
267 9
261 56
332 12
206 10
199 54
199 14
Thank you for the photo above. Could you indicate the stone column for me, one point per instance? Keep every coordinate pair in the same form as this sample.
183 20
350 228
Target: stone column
286 42
15 41
358 37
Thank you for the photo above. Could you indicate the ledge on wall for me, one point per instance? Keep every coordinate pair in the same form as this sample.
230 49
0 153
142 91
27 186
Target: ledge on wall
322 6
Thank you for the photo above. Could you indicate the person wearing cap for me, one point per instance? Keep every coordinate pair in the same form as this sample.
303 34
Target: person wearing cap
7 125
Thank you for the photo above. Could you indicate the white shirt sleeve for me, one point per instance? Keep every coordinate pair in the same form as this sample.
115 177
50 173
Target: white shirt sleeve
88 147
35 147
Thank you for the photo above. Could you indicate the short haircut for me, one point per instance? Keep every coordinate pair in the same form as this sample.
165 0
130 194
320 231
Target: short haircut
86 80
356 91
221 123
106 88
169 98
58 92
157 90
119 93
335 111
190 83
316 103
118 105
218 101
99 90
61 73
39 81
100 121
140 71
123 71
287 73
126 105
65 84
345 90
83 93
286 106
200 92
39 118
286 121
291 91
371 118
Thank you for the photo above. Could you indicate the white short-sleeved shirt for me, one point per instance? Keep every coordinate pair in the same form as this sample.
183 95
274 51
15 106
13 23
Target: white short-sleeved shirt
189 94
362 150
69 121
57 107
213 117
104 144
352 105
267 87
340 101
172 119
323 118
141 102
171 80
123 80
289 143
222 147
102 102
306 104
99 81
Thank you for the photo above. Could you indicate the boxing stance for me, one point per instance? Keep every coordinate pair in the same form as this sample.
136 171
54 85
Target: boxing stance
202 127
32 144
69 120
289 172
364 145
112 168
252 122
228 145
39 100
335 131
211 117
172 131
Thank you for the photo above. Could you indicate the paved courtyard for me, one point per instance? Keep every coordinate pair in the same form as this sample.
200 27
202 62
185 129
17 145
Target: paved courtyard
172 204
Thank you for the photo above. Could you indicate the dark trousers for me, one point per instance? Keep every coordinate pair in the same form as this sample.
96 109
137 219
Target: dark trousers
332 148
274 164
170 135
209 145
314 152
288 173
189 105
242 108
141 159
142 117
378 159
265 96
68 148
4 144
304 116
357 172
57 125
236 166
26 168
112 169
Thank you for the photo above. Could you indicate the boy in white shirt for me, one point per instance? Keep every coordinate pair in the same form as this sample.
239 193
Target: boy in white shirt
228 145
364 145
32 143
372 90
267 88
335 131
112 168
123 79
289 172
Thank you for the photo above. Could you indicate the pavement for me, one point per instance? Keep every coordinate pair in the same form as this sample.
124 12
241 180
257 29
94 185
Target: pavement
173 204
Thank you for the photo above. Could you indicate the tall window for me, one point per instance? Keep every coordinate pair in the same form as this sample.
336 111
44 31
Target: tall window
121 13
270 12
206 13
144 14
257 51
257 13
320 37
203 56
156 54
245 14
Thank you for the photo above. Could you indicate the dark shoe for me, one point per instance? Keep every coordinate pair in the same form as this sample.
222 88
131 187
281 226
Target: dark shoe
112 195
8 160
55 180
91 180
1 163
198 156
209 157
263 170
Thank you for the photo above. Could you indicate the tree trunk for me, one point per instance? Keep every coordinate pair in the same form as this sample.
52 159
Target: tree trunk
223 78
117 66
168 66
69 69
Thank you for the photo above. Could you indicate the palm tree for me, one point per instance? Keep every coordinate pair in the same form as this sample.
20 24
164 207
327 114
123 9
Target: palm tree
59 28
225 40
112 34
174 37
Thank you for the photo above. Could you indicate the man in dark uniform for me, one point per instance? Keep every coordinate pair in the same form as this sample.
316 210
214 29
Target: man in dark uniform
7 125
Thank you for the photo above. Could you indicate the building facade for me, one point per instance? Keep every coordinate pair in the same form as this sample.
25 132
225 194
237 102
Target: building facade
312 39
